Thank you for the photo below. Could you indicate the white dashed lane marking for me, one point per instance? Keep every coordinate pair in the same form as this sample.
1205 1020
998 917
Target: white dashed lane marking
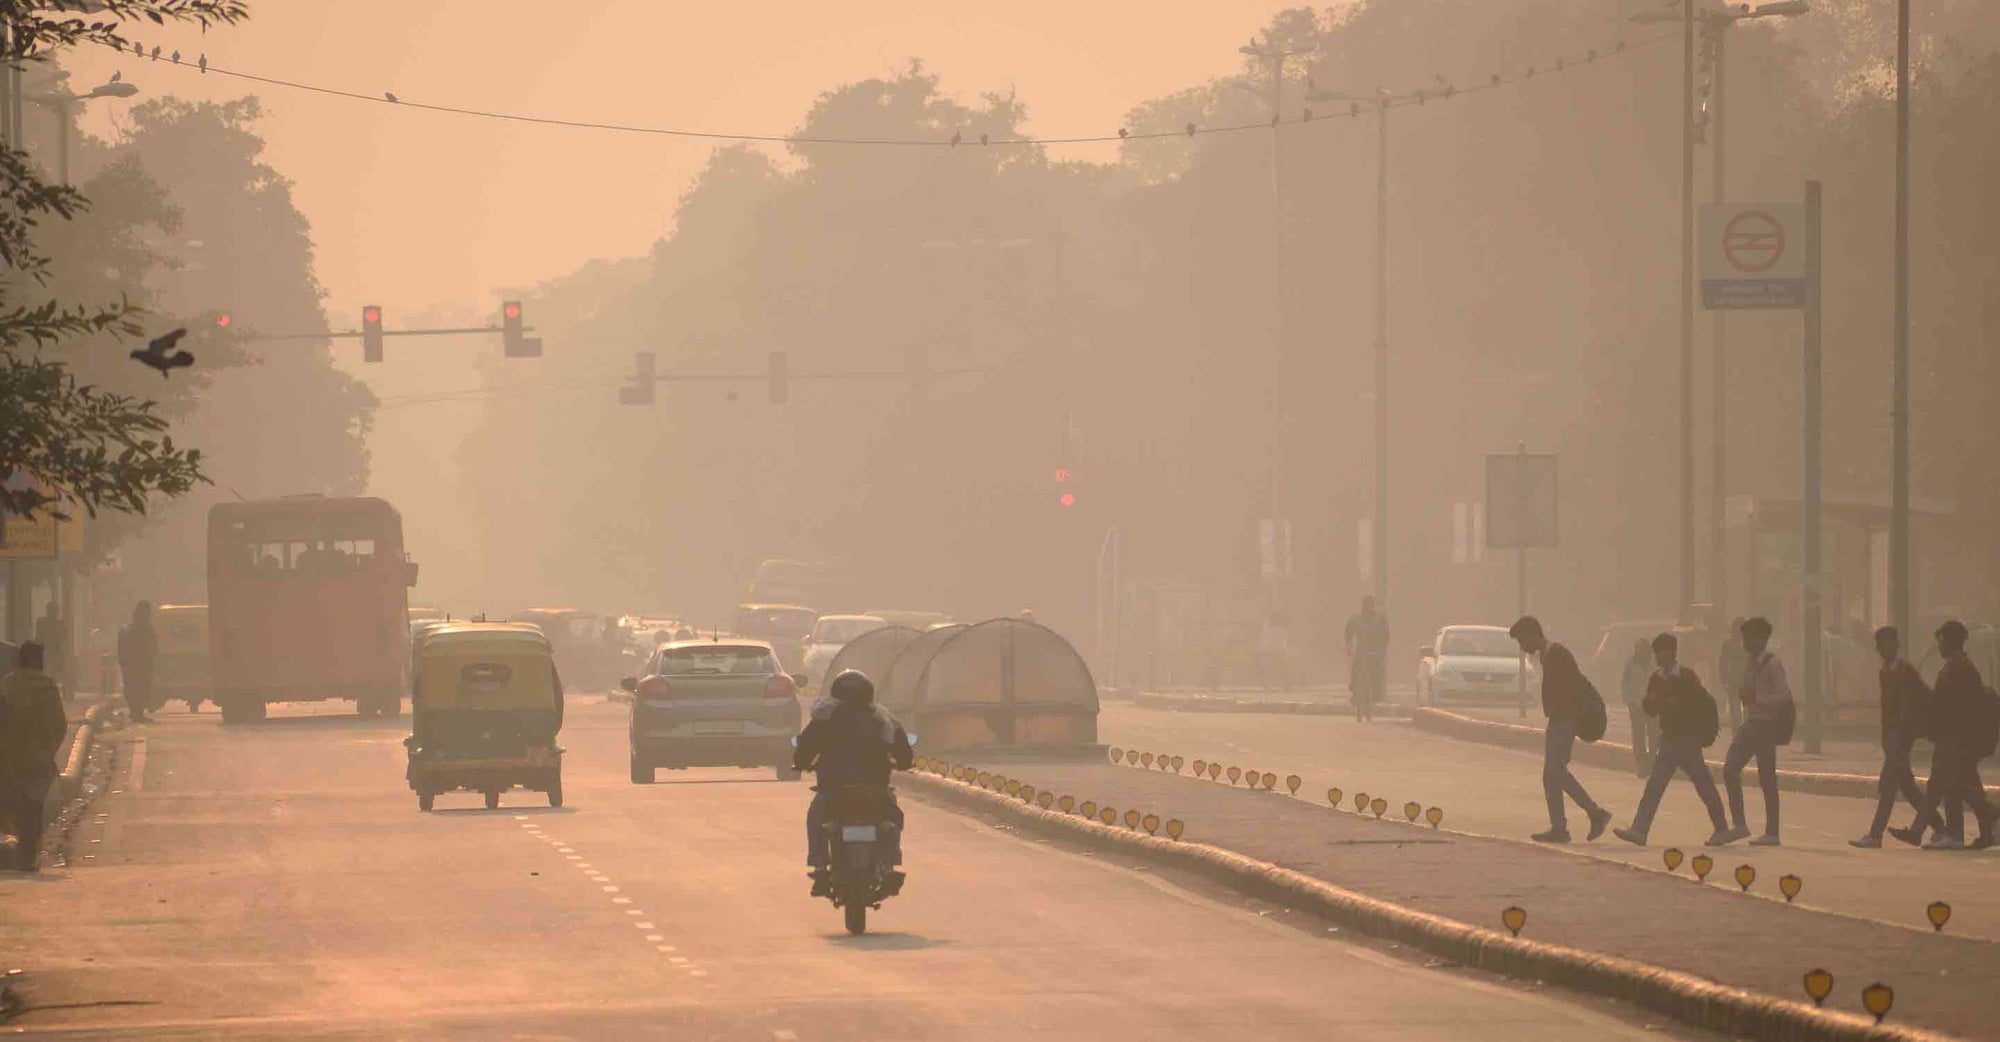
647 928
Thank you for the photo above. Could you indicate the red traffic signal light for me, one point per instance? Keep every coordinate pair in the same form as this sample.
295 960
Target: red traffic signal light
512 343
1067 499
371 333
222 320
512 310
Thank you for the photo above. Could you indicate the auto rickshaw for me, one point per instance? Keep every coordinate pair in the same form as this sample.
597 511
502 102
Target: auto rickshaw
485 707
181 671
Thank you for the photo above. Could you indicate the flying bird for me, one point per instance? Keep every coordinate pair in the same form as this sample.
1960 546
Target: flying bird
156 353
391 95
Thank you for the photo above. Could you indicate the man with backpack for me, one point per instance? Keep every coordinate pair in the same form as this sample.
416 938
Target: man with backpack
1905 718
1966 725
1688 724
1575 710
1769 716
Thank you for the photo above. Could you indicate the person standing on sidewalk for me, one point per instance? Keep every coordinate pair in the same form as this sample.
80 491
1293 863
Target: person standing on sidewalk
1768 719
1905 718
1563 695
32 726
1966 724
138 650
1730 665
1632 685
1688 724
1367 652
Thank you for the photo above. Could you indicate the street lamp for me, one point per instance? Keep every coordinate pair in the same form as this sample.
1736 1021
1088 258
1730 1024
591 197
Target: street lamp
65 104
1713 24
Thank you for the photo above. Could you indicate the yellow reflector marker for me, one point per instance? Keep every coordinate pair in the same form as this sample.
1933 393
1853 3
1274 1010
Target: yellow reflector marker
1378 805
1514 917
1673 857
1360 802
1292 782
1411 810
1089 809
1819 984
1790 885
1013 787
1131 819
1151 823
1146 759
1177 761
1108 816
1200 767
1117 755
1235 773
1435 816
1877 998
1333 797
1939 914
1175 827
1067 803
985 780
1745 875
1027 793
1270 781
1702 864
1214 771
1045 799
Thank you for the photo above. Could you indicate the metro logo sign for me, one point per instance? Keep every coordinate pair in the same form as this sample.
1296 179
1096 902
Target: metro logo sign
1753 255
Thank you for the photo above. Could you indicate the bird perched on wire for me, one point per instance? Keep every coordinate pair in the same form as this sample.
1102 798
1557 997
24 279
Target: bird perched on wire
204 64
391 95
160 353
175 57
119 75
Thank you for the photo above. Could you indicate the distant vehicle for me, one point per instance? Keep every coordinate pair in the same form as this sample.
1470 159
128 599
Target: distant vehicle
588 645
181 673
916 620
829 635
780 581
1470 664
485 709
308 601
427 613
710 703
783 626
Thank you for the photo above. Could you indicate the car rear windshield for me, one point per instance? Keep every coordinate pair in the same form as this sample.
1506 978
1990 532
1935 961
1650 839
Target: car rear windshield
840 631
723 659
1479 643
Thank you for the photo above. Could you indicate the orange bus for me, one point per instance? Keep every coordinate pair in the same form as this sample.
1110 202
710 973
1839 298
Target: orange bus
308 601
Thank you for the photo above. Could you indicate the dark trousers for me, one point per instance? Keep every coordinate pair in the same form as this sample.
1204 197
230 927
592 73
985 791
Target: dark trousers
1645 738
1955 775
1684 755
819 845
1897 780
1757 738
1365 682
27 800
1557 781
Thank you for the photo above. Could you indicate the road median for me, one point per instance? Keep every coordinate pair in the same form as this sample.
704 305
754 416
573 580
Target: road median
1714 958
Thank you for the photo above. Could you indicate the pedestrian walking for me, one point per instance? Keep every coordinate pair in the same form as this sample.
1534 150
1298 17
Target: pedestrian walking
1730 665
1645 727
1769 715
1689 722
138 651
1367 654
1567 700
1966 724
32 726
1906 704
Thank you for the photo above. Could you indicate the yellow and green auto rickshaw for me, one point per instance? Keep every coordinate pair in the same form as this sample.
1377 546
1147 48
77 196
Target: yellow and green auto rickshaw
485 707
181 671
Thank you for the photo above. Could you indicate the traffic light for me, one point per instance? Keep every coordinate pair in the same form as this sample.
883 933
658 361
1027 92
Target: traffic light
777 378
638 389
513 344
1065 487
371 333
222 320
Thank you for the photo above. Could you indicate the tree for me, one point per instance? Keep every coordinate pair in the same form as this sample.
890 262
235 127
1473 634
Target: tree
80 444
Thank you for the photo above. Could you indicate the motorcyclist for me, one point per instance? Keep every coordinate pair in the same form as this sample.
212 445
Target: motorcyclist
851 741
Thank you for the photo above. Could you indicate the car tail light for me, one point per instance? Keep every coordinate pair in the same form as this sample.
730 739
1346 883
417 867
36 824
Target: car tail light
653 687
781 686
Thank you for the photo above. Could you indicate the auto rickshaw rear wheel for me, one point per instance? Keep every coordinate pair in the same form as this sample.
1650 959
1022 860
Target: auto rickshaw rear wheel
492 799
426 800
555 792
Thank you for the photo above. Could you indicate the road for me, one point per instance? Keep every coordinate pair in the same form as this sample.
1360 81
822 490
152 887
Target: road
277 880
1498 792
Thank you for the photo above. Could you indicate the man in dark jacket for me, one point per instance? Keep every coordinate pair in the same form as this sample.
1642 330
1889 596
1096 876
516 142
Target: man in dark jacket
1961 723
1905 718
1688 722
138 652
851 741
1562 702
32 727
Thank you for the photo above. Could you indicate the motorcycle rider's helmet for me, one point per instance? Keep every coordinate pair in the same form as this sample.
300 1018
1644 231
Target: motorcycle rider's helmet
852 685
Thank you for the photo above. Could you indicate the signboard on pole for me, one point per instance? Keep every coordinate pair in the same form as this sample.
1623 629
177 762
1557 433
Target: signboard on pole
1753 255
29 536
1520 500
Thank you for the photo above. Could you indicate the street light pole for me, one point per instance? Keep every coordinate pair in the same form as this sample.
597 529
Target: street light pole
1718 561
1899 519
1687 305
64 106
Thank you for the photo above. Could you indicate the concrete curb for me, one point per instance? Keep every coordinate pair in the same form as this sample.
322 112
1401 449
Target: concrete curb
1693 1000
1618 756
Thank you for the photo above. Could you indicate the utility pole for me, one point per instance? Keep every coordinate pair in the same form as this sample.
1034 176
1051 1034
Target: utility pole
1718 560
1687 306
1899 519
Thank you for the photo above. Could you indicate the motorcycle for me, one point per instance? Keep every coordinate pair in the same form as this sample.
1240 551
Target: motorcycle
859 830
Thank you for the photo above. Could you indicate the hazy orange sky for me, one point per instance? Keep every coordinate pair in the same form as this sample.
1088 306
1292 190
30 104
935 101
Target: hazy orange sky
418 209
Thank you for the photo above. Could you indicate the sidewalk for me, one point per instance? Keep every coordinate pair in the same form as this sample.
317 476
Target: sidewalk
1756 941
1842 755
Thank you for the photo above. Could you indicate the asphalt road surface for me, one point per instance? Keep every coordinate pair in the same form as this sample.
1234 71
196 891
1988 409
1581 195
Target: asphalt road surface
277 880
1498 792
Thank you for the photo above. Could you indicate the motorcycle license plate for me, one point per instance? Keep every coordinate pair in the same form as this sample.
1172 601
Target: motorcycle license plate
857 833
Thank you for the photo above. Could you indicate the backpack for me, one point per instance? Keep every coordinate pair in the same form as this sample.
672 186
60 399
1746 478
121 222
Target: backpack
1983 730
1707 719
1590 720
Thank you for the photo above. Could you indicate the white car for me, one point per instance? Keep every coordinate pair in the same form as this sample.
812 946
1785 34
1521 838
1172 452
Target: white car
1472 664
829 635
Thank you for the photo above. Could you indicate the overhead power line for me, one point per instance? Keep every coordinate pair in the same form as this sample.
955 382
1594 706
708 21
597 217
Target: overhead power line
1445 91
